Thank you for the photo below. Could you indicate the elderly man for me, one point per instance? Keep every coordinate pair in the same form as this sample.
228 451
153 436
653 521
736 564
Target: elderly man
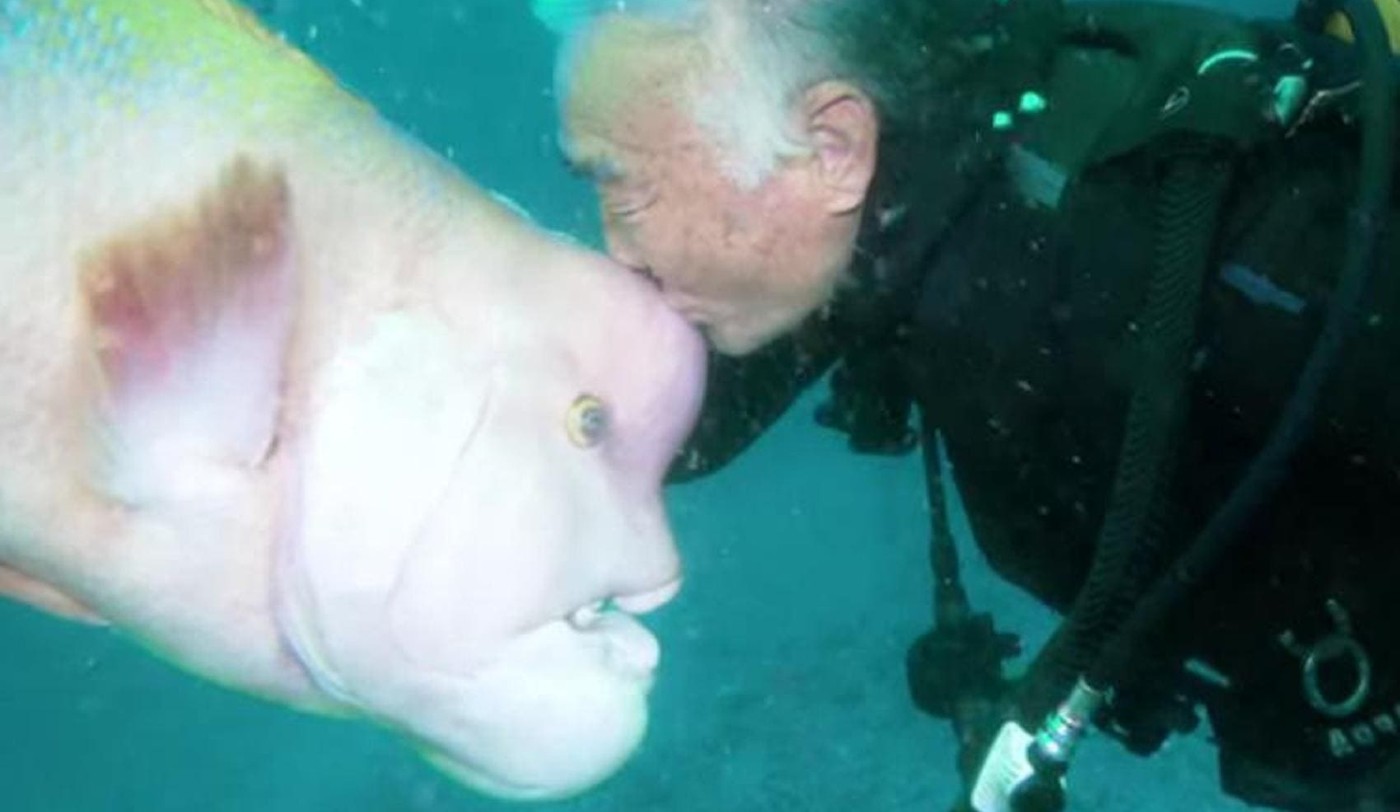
1107 253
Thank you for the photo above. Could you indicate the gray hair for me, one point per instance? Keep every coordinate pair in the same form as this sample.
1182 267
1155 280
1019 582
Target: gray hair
762 55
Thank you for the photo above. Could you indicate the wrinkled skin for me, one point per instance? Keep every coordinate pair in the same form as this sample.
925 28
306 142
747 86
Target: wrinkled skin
301 409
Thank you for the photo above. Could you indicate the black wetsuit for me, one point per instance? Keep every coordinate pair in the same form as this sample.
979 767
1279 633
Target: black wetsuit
1012 327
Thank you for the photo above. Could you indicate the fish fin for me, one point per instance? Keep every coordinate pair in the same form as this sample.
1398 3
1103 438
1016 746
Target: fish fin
189 318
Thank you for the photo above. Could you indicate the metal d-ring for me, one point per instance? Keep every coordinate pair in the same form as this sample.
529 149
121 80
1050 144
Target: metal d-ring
1338 645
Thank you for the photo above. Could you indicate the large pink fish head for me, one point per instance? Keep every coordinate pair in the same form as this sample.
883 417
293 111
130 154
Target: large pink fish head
479 519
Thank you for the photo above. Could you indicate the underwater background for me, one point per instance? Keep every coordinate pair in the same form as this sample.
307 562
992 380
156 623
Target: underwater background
782 679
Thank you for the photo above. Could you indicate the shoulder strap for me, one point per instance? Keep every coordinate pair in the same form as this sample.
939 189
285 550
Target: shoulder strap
1128 74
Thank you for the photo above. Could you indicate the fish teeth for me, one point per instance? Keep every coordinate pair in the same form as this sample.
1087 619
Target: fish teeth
638 603
589 614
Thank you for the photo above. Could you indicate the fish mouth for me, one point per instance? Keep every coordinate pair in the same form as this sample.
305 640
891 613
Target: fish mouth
631 647
650 600
638 603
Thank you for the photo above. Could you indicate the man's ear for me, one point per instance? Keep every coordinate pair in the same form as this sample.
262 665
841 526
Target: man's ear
841 124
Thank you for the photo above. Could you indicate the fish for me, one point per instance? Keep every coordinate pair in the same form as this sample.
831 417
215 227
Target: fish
291 402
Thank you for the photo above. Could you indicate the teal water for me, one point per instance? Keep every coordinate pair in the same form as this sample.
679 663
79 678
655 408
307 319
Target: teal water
782 679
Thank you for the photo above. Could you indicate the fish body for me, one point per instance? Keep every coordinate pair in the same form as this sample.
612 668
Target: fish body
290 400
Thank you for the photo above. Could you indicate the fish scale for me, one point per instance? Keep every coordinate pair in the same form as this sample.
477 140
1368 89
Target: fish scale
137 53
109 105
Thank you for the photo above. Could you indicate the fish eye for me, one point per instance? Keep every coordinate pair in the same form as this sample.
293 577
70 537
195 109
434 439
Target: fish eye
587 421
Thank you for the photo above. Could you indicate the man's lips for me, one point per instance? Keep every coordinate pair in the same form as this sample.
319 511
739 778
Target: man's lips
688 307
682 303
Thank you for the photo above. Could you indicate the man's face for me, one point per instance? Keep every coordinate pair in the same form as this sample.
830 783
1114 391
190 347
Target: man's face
744 264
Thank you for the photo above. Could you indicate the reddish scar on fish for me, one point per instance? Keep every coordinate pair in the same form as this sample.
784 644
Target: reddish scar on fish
188 316
159 289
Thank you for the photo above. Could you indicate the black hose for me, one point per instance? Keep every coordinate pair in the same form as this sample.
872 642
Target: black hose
1188 206
1268 469
951 606
955 670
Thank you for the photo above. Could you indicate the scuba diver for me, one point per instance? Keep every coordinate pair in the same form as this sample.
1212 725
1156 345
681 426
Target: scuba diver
1126 269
